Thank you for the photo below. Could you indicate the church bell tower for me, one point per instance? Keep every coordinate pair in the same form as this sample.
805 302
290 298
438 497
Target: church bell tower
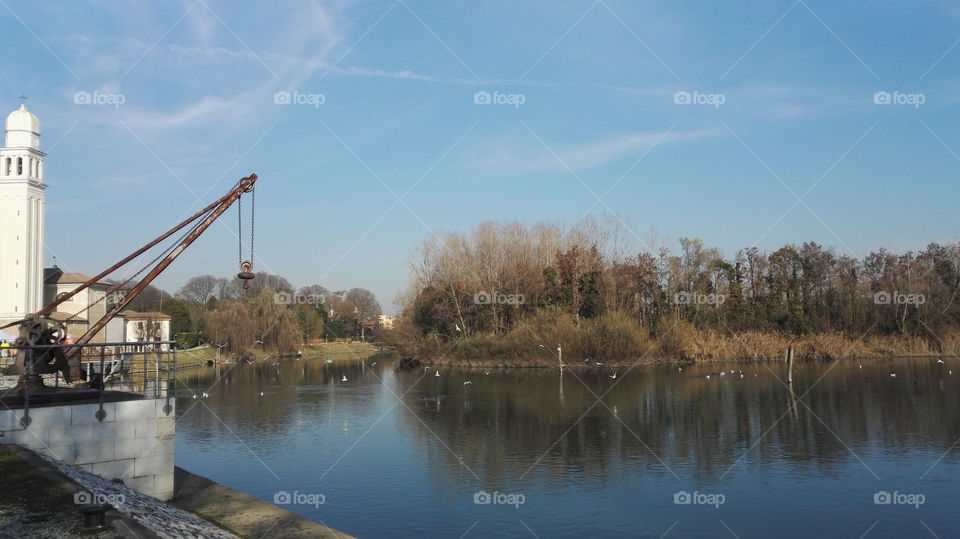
21 216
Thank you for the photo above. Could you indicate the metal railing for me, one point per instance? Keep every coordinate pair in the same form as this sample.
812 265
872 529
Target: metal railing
144 368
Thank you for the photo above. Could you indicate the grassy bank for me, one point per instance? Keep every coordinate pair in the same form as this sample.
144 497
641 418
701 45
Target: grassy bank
617 339
343 350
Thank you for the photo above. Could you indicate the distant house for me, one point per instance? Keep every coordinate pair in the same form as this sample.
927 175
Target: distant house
88 306
145 327
386 322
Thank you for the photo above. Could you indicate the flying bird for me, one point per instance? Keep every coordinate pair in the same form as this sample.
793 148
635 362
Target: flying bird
467 382
614 377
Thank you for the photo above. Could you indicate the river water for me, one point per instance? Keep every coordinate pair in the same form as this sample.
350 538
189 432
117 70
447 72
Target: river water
849 451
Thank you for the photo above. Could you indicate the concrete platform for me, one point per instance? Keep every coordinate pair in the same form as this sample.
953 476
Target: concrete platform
241 513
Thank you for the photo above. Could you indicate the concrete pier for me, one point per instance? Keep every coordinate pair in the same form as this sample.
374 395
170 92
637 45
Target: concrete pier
134 441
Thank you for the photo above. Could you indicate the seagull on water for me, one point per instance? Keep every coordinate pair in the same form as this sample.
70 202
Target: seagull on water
438 373
344 379
457 327
893 375
940 361
205 394
261 393
467 382
488 372
328 362
614 377
708 377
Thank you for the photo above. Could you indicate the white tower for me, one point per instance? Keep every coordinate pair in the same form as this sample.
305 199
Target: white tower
21 216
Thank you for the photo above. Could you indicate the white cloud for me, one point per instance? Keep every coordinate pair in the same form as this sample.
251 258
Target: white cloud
518 155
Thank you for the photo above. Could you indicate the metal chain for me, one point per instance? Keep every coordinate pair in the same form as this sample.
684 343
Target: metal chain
119 286
253 209
239 230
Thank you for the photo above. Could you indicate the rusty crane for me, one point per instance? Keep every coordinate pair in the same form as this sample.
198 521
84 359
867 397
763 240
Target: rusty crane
38 330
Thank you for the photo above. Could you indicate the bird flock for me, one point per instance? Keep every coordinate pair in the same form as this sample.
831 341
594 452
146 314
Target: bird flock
736 373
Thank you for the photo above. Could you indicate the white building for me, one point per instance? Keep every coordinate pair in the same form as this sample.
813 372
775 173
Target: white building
21 216
83 309
145 327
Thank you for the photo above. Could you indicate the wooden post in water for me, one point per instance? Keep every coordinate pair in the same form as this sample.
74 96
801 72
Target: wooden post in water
790 364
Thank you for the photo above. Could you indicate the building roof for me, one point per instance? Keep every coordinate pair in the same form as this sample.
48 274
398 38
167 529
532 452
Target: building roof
134 315
56 275
67 317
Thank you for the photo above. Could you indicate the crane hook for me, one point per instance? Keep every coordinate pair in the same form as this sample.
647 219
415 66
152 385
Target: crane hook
245 274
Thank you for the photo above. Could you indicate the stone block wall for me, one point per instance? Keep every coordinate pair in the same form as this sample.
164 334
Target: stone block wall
133 443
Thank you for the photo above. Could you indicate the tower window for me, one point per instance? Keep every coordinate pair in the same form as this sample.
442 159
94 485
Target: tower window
8 167
19 166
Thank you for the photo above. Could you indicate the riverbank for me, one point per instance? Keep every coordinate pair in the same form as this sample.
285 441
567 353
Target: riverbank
619 342
201 355
240 512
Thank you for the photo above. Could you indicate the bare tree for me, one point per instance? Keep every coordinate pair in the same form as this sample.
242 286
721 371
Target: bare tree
366 304
199 289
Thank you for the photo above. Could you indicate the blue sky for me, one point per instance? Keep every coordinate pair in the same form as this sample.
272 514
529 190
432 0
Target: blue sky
784 109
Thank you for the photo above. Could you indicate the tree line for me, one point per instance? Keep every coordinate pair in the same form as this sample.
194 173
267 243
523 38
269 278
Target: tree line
488 281
270 314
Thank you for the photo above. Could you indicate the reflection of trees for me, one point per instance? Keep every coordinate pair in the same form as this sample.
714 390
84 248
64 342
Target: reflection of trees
502 423
236 402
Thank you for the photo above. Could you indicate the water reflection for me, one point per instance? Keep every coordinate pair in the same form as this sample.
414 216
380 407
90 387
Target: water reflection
406 451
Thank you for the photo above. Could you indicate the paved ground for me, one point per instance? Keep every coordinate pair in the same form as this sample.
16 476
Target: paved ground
37 501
